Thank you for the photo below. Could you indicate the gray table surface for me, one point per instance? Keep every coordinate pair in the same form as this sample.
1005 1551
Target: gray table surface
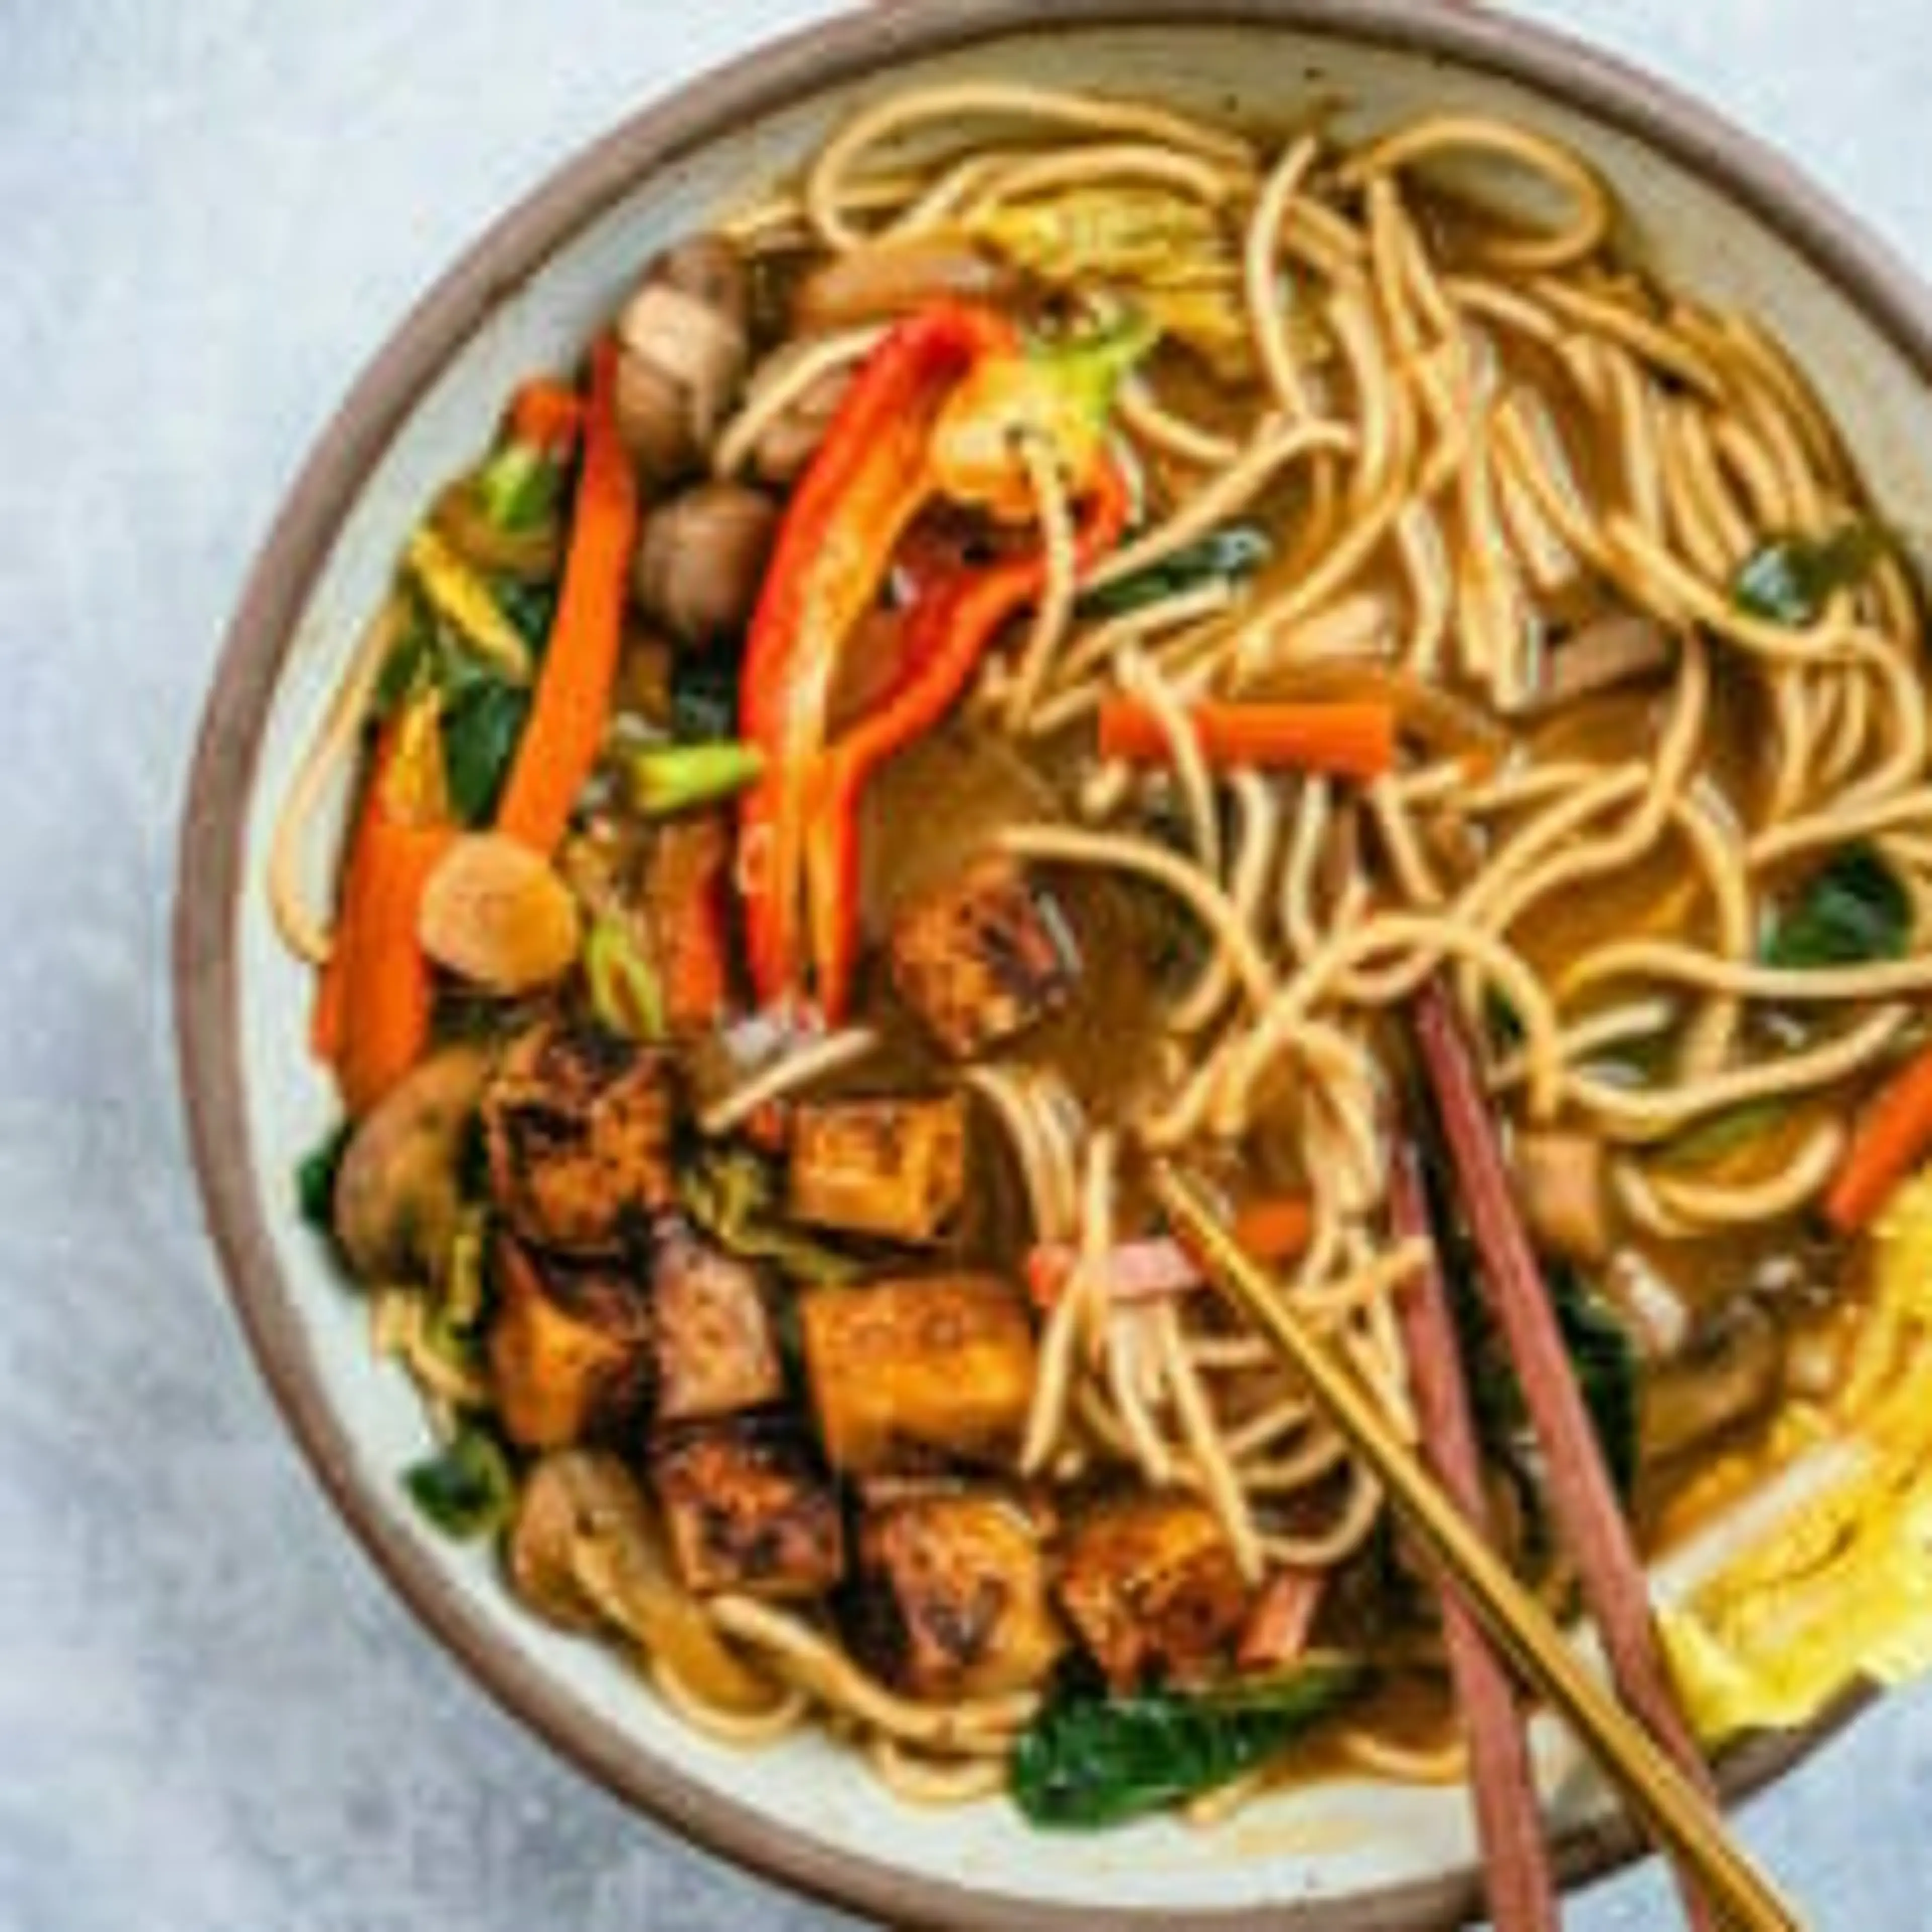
213 1716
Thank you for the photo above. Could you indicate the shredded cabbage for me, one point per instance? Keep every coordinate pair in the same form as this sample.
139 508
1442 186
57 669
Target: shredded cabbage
1839 1587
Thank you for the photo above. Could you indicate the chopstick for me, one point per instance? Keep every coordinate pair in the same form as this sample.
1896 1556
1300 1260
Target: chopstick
1681 1815
1509 1822
1582 1495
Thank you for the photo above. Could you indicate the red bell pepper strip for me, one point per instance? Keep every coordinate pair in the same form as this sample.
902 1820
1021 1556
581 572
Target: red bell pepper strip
868 481
931 413
564 732
951 629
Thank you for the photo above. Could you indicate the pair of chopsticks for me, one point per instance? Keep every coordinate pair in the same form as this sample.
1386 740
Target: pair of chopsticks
1673 1802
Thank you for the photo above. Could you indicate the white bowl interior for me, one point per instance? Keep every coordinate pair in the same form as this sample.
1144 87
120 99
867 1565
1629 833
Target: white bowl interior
1333 1842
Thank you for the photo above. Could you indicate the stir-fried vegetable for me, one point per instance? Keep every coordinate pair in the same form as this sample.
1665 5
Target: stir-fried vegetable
1893 1136
372 1007
626 993
1090 1760
466 1489
1791 579
463 599
1854 910
1235 550
315 1177
732 1194
1354 741
565 731
662 779
1172 257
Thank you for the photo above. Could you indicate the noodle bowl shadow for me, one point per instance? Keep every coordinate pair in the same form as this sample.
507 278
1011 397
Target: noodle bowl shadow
1713 208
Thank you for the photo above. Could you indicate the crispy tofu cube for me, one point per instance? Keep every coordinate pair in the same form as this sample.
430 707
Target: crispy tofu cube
953 1600
1151 1586
749 1509
578 1125
711 1329
569 1350
891 1168
984 957
907 1374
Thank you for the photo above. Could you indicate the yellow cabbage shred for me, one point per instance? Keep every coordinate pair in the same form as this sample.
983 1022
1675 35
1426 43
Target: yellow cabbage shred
1840 1588
1172 257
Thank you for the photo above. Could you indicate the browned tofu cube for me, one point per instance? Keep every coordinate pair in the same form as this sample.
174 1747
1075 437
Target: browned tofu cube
896 1168
984 957
578 1127
953 1600
569 1350
1152 1588
907 1374
749 1509
712 1330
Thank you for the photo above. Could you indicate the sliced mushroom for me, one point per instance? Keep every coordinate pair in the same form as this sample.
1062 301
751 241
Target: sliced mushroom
891 278
496 914
398 1195
683 346
1564 1199
702 561
1726 1375
583 1552
791 439
1614 650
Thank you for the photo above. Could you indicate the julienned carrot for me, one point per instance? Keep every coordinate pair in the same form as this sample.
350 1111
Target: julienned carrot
1893 1136
546 413
565 731
1344 739
1276 1229
372 1013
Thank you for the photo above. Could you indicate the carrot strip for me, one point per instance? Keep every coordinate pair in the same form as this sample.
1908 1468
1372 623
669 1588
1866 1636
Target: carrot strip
1893 1136
1281 1622
1515 1860
372 1010
561 741
1581 1495
1272 1230
546 413
1356 740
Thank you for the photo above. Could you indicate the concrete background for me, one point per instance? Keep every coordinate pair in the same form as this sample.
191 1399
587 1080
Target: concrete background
213 1717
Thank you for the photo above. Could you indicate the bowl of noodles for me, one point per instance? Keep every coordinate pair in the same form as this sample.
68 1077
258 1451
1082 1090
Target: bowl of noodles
975 609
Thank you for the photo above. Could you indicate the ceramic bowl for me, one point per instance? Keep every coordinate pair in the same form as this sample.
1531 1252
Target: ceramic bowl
1709 207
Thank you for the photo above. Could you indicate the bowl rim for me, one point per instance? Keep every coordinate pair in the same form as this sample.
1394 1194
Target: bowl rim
854 45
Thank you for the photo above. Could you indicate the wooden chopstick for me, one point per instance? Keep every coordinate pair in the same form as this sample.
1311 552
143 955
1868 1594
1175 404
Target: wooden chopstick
1682 1816
1509 1822
1582 1495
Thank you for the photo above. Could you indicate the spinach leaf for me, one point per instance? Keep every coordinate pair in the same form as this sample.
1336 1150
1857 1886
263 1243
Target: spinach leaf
404 672
483 717
703 699
1790 579
1854 910
315 1179
529 606
1238 550
466 1489
1604 1358
1087 1762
